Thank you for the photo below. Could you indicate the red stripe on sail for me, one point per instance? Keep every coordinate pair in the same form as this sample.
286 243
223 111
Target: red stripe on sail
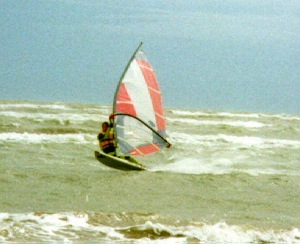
154 92
147 149
124 103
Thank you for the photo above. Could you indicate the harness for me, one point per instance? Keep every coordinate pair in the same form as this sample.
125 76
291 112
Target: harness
108 142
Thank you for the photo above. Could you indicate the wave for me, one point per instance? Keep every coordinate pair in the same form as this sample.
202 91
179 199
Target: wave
212 114
224 166
34 106
62 117
245 141
70 226
54 106
246 124
35 138
217 233
195 166
188 113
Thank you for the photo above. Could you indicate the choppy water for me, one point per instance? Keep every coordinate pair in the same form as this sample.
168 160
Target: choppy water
229 177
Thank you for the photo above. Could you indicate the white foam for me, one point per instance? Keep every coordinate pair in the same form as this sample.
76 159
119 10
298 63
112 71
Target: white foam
196 166
246 124
245 141
216 233
233 115
68 227
62 107
214 114
251 141
35 138
64 227
35 106
41 117
220 166
281 116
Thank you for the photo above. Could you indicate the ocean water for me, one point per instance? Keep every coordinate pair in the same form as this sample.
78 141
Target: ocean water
228 177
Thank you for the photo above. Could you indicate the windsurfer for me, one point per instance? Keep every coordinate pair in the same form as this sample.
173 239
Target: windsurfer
106 137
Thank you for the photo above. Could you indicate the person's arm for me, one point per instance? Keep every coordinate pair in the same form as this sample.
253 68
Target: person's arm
111 125
107 133
102 137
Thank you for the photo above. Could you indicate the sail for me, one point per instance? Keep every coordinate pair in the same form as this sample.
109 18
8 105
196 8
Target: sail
140 127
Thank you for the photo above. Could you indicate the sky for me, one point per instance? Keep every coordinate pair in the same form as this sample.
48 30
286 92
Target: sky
232 55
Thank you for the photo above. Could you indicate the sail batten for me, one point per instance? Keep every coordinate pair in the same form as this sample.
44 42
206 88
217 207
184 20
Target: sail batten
140 127
154 90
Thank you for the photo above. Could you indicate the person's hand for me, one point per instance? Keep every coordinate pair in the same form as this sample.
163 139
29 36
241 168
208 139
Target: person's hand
112 117
168 145
111 120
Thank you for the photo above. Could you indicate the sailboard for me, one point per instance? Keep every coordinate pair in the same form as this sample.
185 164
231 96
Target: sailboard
139 121
123 163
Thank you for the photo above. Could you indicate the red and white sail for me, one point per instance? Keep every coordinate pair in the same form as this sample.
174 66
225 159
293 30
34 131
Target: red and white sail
140 122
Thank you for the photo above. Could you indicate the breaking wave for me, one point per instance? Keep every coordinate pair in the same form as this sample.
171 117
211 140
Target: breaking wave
69 227
46 138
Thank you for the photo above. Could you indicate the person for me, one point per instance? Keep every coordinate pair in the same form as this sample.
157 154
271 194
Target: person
106 137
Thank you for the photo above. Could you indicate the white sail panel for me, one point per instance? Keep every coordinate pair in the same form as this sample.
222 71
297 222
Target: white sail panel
138 92
135 138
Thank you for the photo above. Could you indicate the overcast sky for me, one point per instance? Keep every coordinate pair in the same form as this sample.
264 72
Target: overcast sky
235 55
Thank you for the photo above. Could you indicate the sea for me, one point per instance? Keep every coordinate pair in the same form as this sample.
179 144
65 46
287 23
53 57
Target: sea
229 177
